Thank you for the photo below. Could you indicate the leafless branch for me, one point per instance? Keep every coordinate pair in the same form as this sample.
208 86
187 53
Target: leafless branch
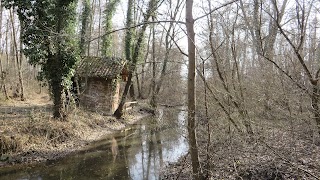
217 8
135 26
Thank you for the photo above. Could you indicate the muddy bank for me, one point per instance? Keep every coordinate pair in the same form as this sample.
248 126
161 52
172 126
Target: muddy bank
30 135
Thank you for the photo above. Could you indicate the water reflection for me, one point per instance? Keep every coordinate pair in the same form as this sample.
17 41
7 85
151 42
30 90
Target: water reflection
114 149
137 153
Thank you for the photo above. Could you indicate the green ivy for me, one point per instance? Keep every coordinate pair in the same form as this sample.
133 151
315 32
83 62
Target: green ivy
114 83
84 25
48 34
106 49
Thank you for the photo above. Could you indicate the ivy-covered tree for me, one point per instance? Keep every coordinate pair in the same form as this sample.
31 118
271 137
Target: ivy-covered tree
107 39
48 31
129 31
133 56
84 25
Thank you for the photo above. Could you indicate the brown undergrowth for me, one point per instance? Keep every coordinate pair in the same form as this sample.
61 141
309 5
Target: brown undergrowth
279 149
29 134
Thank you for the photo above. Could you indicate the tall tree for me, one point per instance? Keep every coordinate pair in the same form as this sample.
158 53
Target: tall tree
170 32
136 53
91 24
226 66
18 56
297 43
196 168
109 11
129 32
264 46
153 102
48 35
84 26
3 73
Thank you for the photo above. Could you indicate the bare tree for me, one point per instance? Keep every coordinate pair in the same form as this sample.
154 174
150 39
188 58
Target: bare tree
196 168
3 73
302 19
17 56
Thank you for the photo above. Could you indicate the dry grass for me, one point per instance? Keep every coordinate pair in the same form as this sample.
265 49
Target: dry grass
9 144
30 134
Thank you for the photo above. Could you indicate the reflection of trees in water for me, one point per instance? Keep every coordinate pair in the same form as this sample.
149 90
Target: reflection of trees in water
93 165
107 163
154 139
113 159
136 153
114 149
174 125
151 150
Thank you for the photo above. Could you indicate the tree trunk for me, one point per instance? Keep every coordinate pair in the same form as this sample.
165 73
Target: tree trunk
206 120
7 58
315 104
58 108
137 50
132 92
84 26
107 39
57 75
168 49
91 27
119 112
138 84
141 96
3 73
193 147
153 101
18 58
128 45
22 96
99 29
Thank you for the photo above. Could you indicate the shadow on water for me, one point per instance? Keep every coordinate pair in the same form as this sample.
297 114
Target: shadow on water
136 153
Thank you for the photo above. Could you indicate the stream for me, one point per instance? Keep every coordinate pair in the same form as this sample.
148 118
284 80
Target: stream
139 152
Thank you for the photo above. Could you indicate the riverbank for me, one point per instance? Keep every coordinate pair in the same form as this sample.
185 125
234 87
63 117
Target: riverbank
279 149
29 134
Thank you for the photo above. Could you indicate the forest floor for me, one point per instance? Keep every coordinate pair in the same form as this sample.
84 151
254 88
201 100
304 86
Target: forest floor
29 134
279 149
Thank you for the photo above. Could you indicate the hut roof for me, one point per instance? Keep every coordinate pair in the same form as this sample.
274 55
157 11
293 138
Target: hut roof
104 67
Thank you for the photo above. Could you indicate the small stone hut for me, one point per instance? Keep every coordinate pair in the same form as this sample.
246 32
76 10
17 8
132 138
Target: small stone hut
99 82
